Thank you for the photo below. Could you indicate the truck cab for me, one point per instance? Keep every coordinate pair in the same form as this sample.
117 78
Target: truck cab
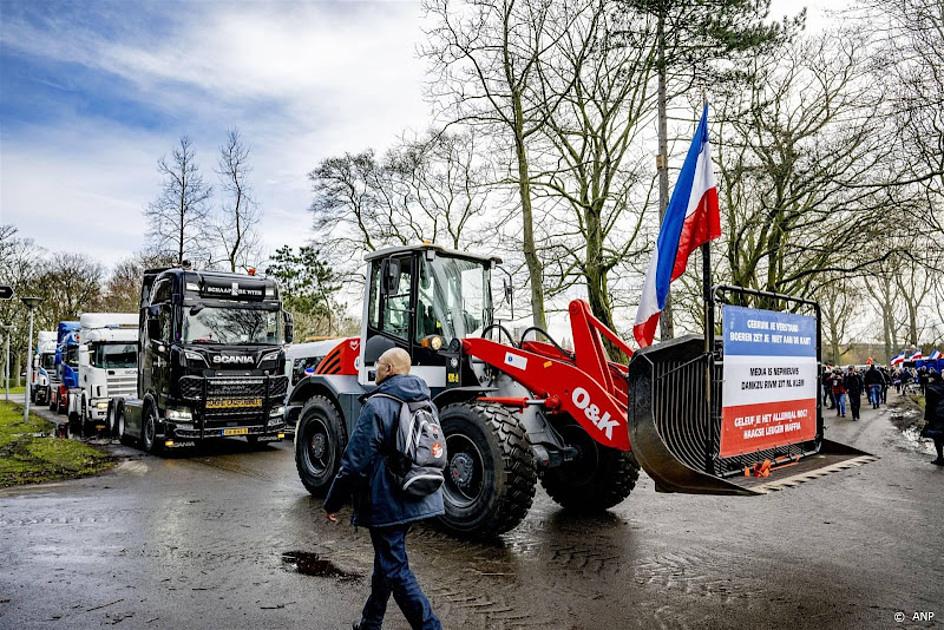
44 362
210 360
64 380
107 366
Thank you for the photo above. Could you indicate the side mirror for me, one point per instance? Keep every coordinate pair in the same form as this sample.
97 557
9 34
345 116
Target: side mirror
391 275
83 358
289 326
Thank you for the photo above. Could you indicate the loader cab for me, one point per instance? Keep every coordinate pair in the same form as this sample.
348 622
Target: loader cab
425 299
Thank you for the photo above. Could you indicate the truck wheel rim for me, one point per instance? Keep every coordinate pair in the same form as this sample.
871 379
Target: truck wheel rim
149 430
317 451
466 471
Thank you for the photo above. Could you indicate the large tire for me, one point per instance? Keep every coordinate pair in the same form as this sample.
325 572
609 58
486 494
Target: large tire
123 436
599 478
149 441
319 444
491 475
111 419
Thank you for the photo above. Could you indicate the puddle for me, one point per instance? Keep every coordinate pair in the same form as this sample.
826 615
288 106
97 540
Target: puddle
309 563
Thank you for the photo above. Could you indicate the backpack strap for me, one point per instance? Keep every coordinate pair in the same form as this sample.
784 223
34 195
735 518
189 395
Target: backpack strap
389 441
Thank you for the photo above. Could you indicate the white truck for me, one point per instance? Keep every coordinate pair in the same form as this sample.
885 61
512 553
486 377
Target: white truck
108 350
44 366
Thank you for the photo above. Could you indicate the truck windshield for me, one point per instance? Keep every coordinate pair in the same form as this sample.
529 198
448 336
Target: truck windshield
455 298
113 356
47 360
232 325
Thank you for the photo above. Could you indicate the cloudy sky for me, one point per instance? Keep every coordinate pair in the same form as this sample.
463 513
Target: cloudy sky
93 92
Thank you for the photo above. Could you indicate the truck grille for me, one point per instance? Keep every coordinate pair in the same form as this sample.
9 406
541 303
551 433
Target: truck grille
192 387
123 385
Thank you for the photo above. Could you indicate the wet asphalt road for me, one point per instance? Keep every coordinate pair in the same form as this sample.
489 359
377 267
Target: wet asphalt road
198 542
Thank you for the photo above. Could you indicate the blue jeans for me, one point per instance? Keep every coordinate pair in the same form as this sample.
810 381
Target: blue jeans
875 395
840 404
392 576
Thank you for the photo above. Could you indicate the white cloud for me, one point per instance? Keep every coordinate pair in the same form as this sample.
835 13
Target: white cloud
301 82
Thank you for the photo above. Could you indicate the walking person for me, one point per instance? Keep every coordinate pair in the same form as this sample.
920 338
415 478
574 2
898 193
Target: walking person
934 414
854 388
827 380
874 381
378 502
839 392
886 382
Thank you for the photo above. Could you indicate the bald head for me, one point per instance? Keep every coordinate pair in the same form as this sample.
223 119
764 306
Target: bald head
392 362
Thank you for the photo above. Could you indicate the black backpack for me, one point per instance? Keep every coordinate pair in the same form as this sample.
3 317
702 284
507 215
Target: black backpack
418 456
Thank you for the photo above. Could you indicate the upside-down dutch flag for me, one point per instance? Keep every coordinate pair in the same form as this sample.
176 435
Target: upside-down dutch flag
898 359
935 355
692 218
917 355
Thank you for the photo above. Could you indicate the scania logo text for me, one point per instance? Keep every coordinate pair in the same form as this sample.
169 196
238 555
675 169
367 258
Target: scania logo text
232 358
581 399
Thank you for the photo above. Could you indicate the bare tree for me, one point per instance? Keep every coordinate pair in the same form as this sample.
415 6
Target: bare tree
432 188
805 172
69 284
234 230
590 160
122 292
487 56
178 217
840 302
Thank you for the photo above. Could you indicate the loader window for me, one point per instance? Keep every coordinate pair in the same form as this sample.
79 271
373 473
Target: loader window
454 298
396 305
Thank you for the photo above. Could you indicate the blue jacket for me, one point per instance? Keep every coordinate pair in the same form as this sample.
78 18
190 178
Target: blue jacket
363 473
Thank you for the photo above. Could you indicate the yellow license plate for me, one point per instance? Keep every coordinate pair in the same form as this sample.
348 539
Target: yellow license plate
234 403
237 431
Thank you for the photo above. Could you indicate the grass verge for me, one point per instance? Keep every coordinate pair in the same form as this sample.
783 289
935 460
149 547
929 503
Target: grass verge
30 454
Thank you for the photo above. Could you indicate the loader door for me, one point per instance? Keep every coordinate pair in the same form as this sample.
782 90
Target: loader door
742 419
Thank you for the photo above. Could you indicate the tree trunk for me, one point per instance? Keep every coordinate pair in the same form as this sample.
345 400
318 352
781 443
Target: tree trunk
16 369
667 328
535 268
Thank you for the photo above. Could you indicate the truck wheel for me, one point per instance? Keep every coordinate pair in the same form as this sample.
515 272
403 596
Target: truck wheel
318 446
149 440
111 420
491 473
123 436
596 480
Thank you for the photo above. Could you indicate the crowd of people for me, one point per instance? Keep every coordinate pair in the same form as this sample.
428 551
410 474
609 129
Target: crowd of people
840 387
845 388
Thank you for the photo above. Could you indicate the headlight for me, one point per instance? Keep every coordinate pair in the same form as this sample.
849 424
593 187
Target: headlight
195 357
277 411
102 404
433 342
179 414
269 356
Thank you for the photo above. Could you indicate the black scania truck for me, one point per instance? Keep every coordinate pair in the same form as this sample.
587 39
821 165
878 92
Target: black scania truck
210 360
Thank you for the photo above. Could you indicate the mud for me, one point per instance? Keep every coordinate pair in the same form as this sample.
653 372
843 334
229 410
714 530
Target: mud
226 537
308 563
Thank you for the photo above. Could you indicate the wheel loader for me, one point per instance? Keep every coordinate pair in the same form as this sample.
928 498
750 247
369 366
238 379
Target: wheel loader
516 412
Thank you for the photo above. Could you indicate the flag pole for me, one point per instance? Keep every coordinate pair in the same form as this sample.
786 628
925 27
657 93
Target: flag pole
709 342
706 277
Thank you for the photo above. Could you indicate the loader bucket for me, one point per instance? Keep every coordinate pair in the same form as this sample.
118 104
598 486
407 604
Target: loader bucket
675 437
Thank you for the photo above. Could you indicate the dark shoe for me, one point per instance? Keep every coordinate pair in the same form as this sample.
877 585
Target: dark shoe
843 415
938 462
